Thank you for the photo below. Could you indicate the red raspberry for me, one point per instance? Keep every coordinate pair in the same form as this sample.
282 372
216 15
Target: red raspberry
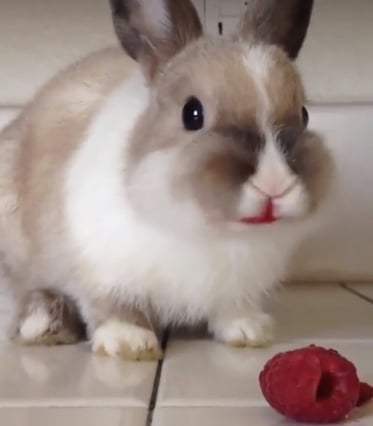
365 394
311 384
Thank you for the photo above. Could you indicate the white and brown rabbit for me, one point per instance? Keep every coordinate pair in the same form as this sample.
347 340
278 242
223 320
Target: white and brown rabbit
168 182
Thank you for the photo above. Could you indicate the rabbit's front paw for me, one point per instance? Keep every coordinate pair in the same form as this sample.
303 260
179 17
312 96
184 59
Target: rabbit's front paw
127 341
249 331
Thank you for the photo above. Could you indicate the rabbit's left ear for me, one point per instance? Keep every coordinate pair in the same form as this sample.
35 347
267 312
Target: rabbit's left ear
153 31
280 22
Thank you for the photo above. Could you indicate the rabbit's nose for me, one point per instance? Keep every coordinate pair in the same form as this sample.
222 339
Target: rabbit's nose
272 188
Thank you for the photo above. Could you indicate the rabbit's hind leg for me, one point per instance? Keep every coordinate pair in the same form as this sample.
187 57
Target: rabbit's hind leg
49 318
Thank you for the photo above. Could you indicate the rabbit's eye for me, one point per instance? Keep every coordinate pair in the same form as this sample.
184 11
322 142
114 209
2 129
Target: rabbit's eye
305 116
193 117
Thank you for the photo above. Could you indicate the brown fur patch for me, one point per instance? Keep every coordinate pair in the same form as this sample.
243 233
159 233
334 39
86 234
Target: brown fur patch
65 324
285 90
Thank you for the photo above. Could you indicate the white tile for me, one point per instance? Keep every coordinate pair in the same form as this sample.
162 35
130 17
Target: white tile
27 416
71 376
237 416
203 373
364 289
321 312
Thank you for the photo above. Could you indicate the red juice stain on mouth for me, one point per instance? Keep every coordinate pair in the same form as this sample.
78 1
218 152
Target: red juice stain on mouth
267 215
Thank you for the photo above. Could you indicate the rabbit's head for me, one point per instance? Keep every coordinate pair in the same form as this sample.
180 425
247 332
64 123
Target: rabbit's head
224 142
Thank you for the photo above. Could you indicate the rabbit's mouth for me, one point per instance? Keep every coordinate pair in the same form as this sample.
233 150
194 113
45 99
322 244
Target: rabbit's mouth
266 216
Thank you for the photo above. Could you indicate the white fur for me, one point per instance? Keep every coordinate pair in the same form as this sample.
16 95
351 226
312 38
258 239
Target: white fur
35 325
273 177
114 338
259 61
251 201
251 329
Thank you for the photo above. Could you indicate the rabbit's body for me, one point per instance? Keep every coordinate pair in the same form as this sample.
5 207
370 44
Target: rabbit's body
83 235
129 214
181 277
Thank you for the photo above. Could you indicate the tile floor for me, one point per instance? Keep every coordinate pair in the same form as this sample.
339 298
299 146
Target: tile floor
199 383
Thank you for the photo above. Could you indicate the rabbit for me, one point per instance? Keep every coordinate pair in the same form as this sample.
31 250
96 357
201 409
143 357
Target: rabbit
166 181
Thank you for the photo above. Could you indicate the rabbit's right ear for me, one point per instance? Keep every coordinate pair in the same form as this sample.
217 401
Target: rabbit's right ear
280 22
153 31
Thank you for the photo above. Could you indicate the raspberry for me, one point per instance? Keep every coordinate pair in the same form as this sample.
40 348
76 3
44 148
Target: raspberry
311 385
365 394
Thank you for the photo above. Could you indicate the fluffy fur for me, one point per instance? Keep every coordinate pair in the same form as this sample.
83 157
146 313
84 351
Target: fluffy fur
139 220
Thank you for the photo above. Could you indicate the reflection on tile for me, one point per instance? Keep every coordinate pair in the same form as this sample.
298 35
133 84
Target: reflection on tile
203 373
237 416
364 289
71 376
72 416
317 311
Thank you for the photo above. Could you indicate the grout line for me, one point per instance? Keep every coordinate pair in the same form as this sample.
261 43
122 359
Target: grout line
157 380
356 293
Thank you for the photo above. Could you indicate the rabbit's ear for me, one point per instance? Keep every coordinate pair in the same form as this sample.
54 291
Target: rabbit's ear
280 22
153 31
